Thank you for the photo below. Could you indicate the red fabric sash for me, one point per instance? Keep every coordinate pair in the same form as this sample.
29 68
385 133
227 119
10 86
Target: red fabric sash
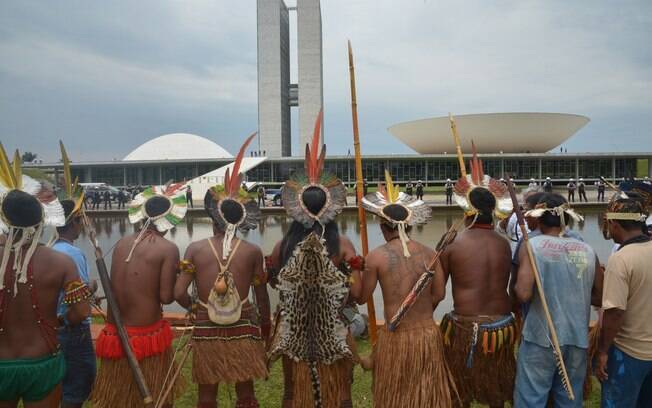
145 341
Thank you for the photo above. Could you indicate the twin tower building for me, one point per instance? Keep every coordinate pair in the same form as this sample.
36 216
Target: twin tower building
276 95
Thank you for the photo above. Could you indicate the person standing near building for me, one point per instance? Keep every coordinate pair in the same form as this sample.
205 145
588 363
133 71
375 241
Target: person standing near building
75 337
107 200
121 199
409 188
230 331
449 191
32 277
547 185
189 201
416 345
571 186
419 189
483 366
533 186
572 281
144 269
624 359
261 196
601 187
581 189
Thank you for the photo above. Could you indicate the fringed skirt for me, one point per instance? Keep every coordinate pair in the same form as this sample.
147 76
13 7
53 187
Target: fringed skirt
483 364
335 380
410 370
115 385
228 353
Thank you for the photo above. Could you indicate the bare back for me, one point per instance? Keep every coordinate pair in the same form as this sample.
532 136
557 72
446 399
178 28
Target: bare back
142 285
22 337
479 264
245 263
397 275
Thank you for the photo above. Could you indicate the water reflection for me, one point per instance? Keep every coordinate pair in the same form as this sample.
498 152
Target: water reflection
272 227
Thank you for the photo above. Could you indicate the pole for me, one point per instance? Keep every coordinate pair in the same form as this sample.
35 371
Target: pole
362 219
458 145
117 317
537 279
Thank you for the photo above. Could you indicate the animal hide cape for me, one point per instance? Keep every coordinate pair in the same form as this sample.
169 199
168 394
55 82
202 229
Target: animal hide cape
312 293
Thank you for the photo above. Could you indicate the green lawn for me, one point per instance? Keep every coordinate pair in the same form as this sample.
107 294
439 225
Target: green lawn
270 392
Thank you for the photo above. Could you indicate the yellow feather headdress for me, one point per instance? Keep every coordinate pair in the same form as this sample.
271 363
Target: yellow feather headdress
414 211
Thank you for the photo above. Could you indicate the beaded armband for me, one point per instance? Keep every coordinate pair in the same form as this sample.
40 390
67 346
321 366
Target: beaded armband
185 266
75 292
260 279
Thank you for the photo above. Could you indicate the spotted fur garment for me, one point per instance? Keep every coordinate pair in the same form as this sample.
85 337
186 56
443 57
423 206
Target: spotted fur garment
312 292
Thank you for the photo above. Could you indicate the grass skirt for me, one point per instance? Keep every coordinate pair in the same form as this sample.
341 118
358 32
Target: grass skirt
409 368
228 361
115 386
334 378
490 380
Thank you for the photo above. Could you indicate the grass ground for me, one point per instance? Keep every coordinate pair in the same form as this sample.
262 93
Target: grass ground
270 392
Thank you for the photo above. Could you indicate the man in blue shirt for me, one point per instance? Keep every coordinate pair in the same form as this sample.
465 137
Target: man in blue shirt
76 341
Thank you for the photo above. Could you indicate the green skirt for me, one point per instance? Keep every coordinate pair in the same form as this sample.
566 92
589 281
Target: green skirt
30 379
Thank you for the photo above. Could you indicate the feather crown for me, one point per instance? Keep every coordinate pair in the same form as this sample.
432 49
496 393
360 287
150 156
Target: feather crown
314 177
478 179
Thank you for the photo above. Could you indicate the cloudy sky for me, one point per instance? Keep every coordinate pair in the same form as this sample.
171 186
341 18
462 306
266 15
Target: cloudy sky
107 76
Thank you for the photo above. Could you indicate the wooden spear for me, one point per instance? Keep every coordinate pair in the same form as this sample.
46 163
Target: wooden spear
458 145
362 219
537 279
117 317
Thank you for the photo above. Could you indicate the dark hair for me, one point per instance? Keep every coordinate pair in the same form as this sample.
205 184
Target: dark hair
533 199
396 212
485 202
156 206
232 211
298 233
632 204
22 209
391 227
314 198
68 206
552 200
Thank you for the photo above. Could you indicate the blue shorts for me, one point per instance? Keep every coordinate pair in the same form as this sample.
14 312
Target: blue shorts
537 376
630 381
77 346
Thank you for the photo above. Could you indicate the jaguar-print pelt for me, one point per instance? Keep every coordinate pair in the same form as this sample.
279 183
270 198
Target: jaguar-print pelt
312 293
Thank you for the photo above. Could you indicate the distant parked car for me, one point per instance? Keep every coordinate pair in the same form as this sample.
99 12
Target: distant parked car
275 196
90 188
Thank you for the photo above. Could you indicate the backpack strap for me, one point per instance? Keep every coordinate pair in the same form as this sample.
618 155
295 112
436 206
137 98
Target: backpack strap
224 267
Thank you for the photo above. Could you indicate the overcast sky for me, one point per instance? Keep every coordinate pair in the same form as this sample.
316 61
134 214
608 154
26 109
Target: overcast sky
105 76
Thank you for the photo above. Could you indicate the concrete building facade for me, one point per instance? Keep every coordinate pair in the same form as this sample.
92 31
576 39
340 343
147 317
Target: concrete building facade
274 123
276 95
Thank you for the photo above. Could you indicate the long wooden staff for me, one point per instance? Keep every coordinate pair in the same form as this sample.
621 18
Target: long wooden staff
117 317
537 278
362 219
425 278
458 145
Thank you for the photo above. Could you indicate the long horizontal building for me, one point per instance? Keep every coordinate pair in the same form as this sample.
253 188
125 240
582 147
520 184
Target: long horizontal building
512 144
431 168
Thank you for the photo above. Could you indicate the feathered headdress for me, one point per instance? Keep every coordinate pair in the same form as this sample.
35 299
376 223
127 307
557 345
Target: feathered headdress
414 212
232 192
165 220
558 211
13 179
314 177
617 210
477 179
71 189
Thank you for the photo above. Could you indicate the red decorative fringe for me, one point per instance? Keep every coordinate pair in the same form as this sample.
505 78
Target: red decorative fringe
145 341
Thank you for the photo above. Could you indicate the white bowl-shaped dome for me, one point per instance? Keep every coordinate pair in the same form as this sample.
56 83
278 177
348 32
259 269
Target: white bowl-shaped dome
178 146
519 132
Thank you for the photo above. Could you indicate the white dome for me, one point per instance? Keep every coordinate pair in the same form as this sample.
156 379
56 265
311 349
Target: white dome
178 146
